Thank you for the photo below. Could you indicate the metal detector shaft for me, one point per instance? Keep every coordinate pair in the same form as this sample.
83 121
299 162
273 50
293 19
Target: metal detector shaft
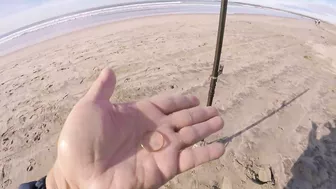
220 36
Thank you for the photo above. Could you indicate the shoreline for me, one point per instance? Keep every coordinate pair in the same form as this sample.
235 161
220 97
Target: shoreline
136 7
135 18
135 3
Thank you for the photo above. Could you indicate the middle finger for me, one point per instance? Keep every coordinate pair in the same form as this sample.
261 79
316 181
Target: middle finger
191 116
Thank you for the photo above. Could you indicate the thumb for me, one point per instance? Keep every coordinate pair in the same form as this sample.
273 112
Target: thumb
103 87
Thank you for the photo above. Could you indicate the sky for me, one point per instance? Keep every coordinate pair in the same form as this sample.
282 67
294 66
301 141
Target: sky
18 13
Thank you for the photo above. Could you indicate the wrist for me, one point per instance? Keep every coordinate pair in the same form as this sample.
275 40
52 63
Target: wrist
55 180
50 180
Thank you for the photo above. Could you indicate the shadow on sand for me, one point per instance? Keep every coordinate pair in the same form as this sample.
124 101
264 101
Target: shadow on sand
316 167
227 140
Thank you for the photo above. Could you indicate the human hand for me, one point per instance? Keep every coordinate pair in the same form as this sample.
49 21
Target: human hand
99 145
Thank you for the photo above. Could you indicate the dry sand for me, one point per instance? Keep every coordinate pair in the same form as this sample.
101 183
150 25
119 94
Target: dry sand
277 94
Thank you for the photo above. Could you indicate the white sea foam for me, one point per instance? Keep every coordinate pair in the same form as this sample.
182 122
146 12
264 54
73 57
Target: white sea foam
121 8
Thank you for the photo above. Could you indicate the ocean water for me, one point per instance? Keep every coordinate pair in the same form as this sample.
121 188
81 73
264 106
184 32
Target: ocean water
63 25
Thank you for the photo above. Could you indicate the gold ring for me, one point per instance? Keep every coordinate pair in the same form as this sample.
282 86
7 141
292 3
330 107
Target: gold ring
150 148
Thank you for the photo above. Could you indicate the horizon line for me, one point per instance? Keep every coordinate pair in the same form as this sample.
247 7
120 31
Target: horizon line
142 2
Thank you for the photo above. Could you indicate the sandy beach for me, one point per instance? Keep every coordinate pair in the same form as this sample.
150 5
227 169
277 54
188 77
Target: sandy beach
277 94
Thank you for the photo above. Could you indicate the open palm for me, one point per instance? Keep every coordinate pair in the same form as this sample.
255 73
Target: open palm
100 143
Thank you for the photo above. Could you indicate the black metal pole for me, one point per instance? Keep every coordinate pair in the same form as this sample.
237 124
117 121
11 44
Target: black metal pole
220 36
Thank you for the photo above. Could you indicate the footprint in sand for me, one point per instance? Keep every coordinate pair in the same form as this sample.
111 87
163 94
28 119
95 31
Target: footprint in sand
31 165
22 119
9 121
6 183
44 128
37 136
7 142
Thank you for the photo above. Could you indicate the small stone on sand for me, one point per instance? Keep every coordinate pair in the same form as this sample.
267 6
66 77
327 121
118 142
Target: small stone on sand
264 175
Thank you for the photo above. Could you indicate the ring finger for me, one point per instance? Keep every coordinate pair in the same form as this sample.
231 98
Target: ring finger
191 135
191 116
